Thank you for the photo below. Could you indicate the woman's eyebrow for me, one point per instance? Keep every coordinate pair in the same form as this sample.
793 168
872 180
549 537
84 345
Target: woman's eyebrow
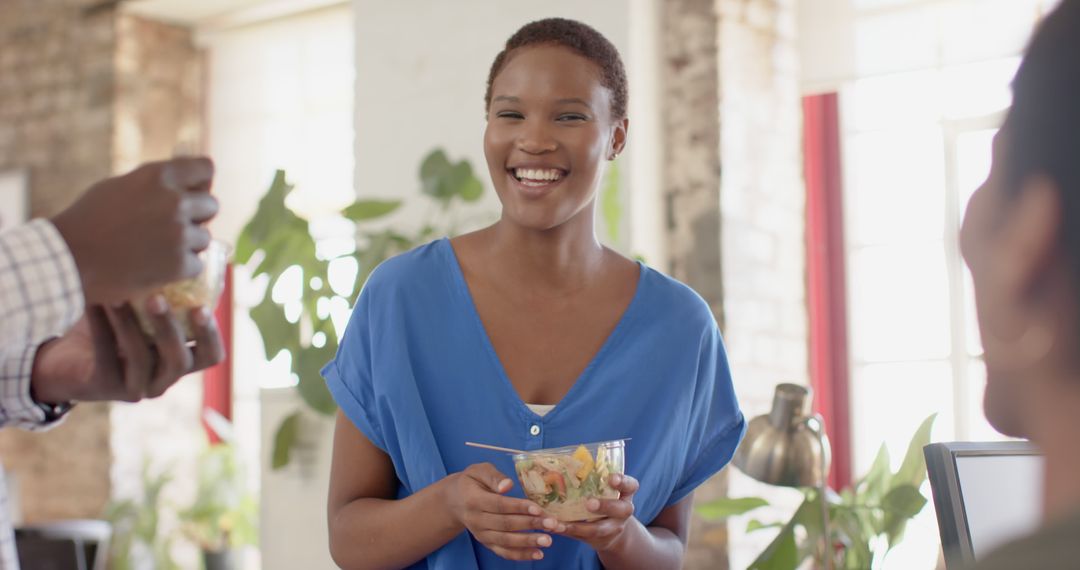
574 100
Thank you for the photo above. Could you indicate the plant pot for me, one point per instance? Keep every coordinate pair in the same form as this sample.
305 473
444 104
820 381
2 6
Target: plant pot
227 559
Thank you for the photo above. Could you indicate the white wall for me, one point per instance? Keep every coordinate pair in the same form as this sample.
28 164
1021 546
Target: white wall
763 213
843 40
280 97
826 43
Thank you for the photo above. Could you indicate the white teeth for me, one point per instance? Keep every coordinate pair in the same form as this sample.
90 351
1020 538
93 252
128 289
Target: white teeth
533 174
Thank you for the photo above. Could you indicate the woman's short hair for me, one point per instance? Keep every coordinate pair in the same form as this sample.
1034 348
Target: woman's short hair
581 39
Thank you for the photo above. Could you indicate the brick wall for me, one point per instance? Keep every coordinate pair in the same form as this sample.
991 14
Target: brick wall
86 92
159 92
762 205
690 124
762 198
157 114
734 205
56 113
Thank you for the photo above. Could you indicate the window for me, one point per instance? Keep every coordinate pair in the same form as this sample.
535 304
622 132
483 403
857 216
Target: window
917 125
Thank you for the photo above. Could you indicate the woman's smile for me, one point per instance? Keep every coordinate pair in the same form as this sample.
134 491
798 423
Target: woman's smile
535 180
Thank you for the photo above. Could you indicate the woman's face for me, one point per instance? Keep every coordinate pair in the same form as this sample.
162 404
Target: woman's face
549 133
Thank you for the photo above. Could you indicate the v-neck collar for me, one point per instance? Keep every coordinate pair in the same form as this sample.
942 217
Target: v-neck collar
459 282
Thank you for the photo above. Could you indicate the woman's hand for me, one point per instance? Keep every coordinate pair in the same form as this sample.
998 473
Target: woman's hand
475 498
603 534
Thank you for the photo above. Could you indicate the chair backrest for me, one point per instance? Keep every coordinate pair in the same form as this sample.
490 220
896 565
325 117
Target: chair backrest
64 545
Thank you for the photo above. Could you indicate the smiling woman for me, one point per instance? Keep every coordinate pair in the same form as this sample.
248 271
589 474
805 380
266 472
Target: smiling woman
528 334
551 124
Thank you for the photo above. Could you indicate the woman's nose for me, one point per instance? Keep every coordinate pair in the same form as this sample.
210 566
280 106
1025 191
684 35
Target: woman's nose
535 138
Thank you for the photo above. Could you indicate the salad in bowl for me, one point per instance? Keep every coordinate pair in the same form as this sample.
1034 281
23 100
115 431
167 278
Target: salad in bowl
560 480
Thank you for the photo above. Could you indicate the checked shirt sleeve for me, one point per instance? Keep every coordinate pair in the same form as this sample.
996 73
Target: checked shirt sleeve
40 297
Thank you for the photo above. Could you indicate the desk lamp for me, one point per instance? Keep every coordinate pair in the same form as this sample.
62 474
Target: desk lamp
788 447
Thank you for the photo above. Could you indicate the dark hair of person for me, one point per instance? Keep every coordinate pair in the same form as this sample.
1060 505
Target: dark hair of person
579 38
1043 125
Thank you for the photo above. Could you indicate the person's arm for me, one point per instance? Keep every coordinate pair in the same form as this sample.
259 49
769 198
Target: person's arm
369 528
122 236
106 356
40 296
622 541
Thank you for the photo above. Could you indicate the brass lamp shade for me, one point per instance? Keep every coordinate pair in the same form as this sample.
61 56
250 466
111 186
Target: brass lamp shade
784 447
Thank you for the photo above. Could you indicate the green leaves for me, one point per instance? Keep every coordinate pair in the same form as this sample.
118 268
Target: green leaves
362 210
135 522
284 440
276 231
913 469
723 508
224 513
444 180
312 387
881 503
904 499
876 482
755 524
781 554
277 332
610 204
284 240
900 505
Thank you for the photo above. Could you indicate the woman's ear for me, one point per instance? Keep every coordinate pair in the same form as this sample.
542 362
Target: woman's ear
618 138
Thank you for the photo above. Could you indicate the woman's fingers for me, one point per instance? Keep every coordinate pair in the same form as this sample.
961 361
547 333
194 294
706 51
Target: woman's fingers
593 532
624 484
518 554
489 477
508 523
614 508
501 523
515 545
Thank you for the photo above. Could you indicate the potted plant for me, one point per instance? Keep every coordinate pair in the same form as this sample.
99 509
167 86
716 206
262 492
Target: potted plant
278 239
223 517
138 538
867 519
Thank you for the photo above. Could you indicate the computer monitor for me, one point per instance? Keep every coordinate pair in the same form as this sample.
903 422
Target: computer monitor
985 494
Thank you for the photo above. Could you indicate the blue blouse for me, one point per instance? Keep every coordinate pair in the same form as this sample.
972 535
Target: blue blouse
417 374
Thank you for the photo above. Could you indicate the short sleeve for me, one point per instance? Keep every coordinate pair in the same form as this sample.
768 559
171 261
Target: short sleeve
349 376
716 424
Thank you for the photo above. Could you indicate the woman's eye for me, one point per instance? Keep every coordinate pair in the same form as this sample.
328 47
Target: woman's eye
509 115
571 117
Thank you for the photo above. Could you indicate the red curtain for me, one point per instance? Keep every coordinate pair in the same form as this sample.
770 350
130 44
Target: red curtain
826 291
217 380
